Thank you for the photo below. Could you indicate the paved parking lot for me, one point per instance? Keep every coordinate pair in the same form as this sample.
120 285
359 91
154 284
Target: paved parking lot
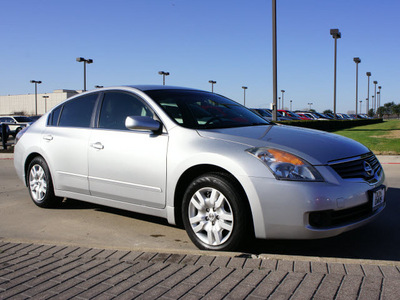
87 251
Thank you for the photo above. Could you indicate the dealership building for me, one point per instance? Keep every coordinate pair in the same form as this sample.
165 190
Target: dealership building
26 104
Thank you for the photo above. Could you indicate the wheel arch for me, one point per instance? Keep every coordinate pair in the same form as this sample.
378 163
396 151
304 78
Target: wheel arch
195 171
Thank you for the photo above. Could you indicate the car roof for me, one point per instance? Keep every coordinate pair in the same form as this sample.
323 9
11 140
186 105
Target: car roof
145 87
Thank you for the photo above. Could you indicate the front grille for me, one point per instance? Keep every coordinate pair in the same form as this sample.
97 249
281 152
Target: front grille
331 218
366 167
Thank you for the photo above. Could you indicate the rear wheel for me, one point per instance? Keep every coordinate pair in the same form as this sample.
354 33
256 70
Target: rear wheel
40 184
214 213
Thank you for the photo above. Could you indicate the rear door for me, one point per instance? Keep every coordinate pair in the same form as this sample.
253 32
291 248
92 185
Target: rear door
65 142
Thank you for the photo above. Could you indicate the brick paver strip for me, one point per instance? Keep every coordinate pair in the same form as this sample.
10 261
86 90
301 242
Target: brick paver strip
350 287
63 272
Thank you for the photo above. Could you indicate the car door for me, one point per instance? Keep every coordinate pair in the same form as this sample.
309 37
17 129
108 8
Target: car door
127 165
65 143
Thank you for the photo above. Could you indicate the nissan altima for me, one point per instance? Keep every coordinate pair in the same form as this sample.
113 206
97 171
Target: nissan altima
199 160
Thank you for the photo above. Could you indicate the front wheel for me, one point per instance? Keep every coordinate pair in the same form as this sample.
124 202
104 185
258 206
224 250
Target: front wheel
214 213
40 184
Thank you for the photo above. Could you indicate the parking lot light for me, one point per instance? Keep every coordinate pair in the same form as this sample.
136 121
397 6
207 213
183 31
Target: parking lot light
379 99
85 61
244 94
357 60
163 73
45 103
367 106
375 108
36 82
212 85
336 35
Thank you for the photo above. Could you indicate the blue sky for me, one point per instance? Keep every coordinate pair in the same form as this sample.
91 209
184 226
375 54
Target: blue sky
196 41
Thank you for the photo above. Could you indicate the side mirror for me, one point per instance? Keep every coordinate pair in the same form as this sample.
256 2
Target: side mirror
142 123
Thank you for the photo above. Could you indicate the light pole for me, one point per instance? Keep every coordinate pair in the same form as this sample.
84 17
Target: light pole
212 85
85 61
274 63
368 75
163 75
279 102
283 92
336 35
291 105
244 94
360 105
45 103
379 100
310 106
375 108
357 60
36 82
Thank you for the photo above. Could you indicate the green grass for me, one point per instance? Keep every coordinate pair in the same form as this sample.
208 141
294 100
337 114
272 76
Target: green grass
382 138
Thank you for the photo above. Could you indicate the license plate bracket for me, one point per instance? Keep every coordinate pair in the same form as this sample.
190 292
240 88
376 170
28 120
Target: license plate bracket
377 197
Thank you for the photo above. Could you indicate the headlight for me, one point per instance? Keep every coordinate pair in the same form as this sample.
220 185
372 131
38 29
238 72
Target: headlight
286 166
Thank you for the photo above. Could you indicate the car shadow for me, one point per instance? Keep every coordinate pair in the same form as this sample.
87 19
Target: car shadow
79 205
378 240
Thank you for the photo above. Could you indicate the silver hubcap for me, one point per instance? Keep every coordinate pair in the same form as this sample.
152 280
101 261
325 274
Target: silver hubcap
37 183
211 216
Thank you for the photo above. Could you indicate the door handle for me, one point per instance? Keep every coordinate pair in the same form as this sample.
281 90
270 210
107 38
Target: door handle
48 137
98 146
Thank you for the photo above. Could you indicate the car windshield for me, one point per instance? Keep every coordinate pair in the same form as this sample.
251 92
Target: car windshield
23 119
204 110
264 113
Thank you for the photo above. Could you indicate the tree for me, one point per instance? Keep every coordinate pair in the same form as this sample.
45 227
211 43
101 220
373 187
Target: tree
381 111
389 108
396 110
327 111
371 112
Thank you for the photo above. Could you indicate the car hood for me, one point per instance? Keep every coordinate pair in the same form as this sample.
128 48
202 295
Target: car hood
317 147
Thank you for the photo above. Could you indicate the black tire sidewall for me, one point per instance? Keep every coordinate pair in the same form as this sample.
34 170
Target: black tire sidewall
222 184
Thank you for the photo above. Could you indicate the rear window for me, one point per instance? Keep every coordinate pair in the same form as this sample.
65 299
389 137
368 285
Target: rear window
78 112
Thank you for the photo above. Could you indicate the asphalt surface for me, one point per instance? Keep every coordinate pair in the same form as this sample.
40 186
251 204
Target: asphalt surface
44 268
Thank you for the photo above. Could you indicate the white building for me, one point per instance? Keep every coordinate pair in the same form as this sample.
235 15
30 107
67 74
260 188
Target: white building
25 104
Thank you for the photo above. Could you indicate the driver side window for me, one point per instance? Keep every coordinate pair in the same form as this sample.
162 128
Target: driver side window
117 106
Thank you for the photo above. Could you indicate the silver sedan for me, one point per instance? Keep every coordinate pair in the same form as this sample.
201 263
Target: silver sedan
202 161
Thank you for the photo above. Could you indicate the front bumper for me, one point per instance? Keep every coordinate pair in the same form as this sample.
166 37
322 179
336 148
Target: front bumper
311 210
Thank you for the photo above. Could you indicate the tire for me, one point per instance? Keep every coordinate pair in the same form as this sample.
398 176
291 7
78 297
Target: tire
214 213
40 184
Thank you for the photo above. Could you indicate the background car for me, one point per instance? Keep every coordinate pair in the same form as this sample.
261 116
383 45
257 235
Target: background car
202 161
16 123
312 115
291 115
267 114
